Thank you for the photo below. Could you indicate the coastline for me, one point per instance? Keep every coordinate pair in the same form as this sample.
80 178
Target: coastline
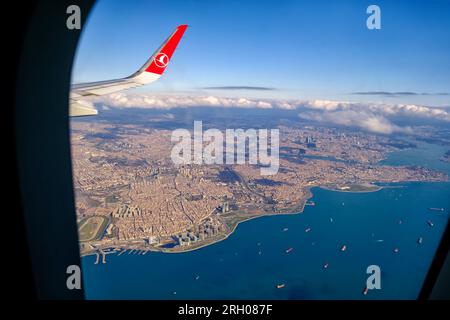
219 267
375 189
234 229
289 211
301 207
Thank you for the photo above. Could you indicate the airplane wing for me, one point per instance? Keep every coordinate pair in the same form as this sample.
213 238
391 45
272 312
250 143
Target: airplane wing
149 72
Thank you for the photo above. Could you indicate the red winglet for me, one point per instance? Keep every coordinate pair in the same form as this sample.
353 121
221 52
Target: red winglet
163 56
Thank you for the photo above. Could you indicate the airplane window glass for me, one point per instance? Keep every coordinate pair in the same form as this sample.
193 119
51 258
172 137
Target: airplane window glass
260 150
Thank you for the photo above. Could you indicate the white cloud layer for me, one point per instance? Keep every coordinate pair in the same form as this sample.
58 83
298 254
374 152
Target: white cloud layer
373 117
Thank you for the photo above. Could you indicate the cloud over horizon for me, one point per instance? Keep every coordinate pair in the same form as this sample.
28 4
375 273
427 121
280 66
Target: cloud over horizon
240 88
372 117
398 93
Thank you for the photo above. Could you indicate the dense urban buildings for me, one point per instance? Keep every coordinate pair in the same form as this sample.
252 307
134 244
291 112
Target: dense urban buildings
124 174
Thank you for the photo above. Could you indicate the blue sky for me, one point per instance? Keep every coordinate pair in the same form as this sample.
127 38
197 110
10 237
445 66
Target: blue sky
303 49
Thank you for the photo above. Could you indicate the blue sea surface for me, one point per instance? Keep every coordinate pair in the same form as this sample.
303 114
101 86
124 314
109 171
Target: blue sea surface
252 261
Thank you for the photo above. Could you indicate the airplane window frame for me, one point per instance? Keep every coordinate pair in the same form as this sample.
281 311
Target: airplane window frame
41 119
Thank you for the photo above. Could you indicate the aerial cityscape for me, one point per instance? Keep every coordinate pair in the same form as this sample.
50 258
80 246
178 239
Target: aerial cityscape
130 195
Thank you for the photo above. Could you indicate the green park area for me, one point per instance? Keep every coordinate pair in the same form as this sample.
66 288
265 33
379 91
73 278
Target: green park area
92 228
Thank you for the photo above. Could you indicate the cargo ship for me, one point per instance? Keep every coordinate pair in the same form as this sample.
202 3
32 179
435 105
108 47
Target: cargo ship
279 286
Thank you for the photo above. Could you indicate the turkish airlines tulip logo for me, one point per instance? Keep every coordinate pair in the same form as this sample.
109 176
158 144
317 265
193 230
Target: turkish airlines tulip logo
162 60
